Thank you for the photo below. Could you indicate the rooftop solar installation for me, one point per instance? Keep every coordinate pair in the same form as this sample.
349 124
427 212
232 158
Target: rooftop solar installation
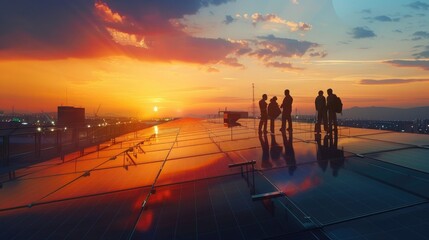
198 179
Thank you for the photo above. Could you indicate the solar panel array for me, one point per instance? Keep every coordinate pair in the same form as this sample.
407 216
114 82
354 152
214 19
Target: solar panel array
194 179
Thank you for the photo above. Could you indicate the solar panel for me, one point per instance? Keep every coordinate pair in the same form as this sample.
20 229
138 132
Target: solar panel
304 186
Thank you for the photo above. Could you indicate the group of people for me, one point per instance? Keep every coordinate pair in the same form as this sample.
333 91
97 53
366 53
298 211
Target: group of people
325 107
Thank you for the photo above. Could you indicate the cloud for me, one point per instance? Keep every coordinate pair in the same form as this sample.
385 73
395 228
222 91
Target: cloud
390 81
366 11
422 64
420 35
212 70
321 54
106 13
281 65
419 5
163 10
362 32
424 54
228 19
273 18
145 30
52 29
271 46
384 18
126 39
231 61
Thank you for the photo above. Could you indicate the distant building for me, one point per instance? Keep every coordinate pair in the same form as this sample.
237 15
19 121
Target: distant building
71 116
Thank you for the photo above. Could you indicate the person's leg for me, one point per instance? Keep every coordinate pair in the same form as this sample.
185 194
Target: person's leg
325 120
272 125
289 120
283 122
335 122
265 124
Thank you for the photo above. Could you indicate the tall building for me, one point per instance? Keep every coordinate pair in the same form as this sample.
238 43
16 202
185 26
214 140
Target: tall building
71 116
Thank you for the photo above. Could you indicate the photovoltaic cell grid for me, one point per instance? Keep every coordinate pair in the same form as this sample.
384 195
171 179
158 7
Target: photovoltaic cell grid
342 187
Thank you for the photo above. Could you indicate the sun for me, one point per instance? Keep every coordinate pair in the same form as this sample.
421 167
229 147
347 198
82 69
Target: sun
155 109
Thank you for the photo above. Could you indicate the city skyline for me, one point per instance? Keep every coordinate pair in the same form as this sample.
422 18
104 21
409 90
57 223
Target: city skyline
132 57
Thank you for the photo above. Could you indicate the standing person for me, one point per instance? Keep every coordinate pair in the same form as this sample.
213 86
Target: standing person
264 114
273 112
320 104
332 115
287 111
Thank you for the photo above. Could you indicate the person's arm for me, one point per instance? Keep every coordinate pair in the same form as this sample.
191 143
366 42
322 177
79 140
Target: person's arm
315 104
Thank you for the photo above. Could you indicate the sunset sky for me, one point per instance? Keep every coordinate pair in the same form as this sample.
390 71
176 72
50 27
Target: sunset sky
192 57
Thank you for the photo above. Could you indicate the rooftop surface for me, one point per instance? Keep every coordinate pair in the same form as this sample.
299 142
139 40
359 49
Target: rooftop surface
194 179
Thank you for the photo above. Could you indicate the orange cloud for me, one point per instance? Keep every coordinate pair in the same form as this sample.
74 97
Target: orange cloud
106 13
273 18
84 29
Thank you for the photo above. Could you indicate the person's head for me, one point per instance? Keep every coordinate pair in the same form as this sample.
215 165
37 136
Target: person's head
287 92
274 99
264 96
320 93
329 91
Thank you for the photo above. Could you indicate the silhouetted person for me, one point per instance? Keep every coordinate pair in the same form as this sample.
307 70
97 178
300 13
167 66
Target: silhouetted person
265 150
289 154
264 114
320 104
273 112
332 115
287 111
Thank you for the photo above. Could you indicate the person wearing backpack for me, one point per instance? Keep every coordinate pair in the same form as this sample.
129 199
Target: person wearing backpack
273 112
331 106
